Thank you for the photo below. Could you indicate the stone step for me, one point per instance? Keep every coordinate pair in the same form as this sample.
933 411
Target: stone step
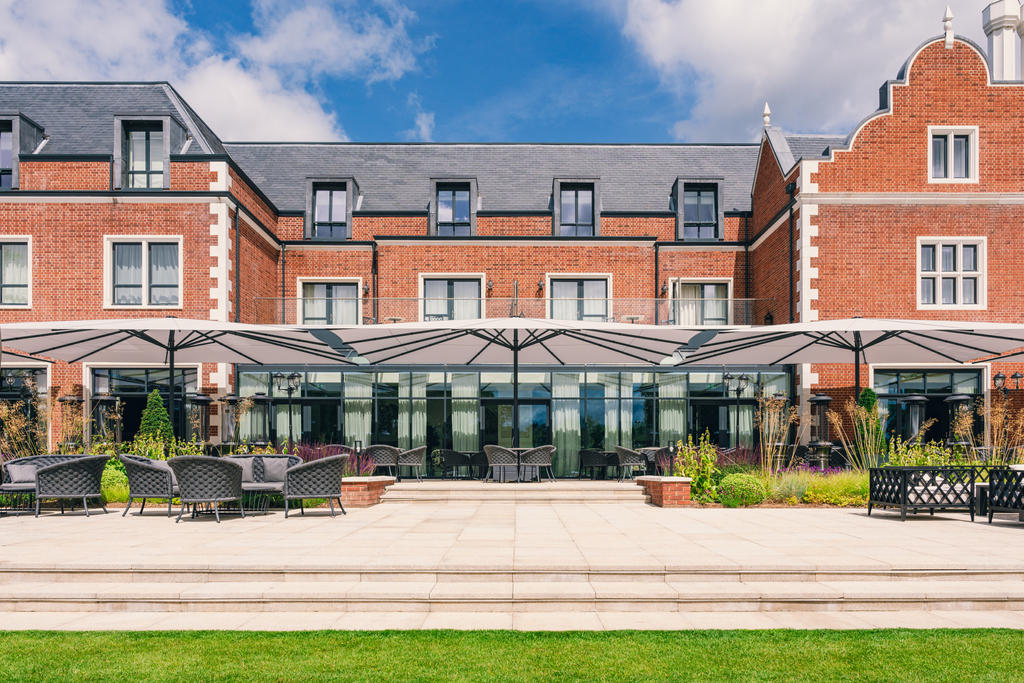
524 596
11 574
552 499
565 491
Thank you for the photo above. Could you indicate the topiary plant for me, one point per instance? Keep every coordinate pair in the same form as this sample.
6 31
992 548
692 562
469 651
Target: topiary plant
741 489
868 399
156 424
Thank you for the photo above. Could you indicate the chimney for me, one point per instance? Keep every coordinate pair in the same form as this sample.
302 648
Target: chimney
1000 20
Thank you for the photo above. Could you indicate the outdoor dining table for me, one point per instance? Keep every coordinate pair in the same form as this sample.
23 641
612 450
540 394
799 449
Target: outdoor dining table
519 471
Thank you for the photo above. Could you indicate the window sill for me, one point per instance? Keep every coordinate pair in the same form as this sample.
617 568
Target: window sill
129 307
15 307
952 307
953 181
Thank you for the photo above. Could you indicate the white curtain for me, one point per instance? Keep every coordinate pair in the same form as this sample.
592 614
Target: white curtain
610 382
163 274
565 421
465 411
564 300
128 273
687 304
345 304
314 303
742 427
358 407
412 433
671 407
15 272
466 305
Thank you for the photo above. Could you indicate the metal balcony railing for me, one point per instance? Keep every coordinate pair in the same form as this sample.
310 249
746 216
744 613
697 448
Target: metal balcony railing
368 310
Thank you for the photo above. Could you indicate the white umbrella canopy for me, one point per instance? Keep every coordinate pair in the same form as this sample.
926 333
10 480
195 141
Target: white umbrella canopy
857 341
503 341
163 340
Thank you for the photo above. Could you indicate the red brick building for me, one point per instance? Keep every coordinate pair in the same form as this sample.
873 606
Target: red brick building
119 201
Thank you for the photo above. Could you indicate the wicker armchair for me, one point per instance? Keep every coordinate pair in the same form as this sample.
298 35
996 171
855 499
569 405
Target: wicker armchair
593 460
540 458
452 461
206 480
502 458
317 479
71 480
629 460
384 456
148 478
413 458
24 485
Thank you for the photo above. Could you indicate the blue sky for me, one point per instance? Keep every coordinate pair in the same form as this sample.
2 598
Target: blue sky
488 70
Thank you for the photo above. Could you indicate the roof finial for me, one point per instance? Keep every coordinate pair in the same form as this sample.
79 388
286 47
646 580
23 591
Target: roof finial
767 115
947 25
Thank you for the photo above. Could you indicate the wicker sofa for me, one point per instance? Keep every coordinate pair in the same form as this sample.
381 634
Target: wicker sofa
18 476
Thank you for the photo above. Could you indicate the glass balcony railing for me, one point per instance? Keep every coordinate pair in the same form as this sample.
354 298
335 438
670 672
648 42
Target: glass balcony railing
368 310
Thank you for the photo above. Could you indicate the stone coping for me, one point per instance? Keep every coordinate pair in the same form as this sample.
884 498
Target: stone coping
668 480
368 480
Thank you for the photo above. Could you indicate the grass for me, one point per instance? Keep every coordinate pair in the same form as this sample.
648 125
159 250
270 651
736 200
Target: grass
888 655
841 488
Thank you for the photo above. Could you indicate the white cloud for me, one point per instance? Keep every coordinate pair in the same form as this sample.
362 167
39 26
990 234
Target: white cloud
256 86
818 63
423 127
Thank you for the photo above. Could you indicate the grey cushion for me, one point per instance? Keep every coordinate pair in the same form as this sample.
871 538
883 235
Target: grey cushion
274 469
246 464
21 474
264 486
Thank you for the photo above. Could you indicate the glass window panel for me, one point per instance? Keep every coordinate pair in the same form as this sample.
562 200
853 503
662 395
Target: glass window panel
163 274
322 213
568 207
691 206
939 382
969 258
706 384
960 156
128 273
6 180
707 207
966 382
6 148
970 291
775 383
339 200
496 385
927 257
939 144
949 290
137 147
927 290
344 303
595 293
444 206
466 305
586 207
948 258
129 380
912 382
886 382
14 269
462 206
13 296
435 304
250 383
322 384
156 150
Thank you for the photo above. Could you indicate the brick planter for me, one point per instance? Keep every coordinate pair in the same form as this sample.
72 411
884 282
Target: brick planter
667 492
362 492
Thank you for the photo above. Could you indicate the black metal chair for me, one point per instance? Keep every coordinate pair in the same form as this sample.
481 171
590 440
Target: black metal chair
71 480
629 460
413 459
384 456
451 461
500 457
148 478
540 457
317 479
203 480
593 460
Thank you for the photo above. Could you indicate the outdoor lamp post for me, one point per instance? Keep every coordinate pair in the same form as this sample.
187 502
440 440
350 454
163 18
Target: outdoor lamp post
288 384
228 415
958 404
821 442
915 405
198 406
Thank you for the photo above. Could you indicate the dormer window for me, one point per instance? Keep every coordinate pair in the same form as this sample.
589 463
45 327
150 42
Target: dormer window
330 212
453 210
700 212
577 210
6 155
143 155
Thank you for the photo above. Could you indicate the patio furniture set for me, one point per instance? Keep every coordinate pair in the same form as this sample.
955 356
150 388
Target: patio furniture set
202 483
975 489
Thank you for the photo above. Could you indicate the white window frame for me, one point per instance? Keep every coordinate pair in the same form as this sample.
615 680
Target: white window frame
727 281
548 277
982 273
421 300
28 240
108 271
973 166
299 282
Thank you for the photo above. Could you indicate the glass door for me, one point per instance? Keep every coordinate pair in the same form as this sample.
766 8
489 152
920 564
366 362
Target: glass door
534 423
712 417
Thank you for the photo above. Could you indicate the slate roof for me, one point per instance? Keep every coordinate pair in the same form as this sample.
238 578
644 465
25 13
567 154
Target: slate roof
510 177
79 117
813 146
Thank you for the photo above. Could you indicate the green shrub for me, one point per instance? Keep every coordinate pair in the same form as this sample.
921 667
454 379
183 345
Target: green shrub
741 489
789 487
114 484
155 422
699 463
844 489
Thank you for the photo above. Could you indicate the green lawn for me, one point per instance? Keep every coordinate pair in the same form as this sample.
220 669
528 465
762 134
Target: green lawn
896 655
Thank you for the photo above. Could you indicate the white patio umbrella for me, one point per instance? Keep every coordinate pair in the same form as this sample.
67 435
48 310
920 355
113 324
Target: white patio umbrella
857 341
503 341
170 341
